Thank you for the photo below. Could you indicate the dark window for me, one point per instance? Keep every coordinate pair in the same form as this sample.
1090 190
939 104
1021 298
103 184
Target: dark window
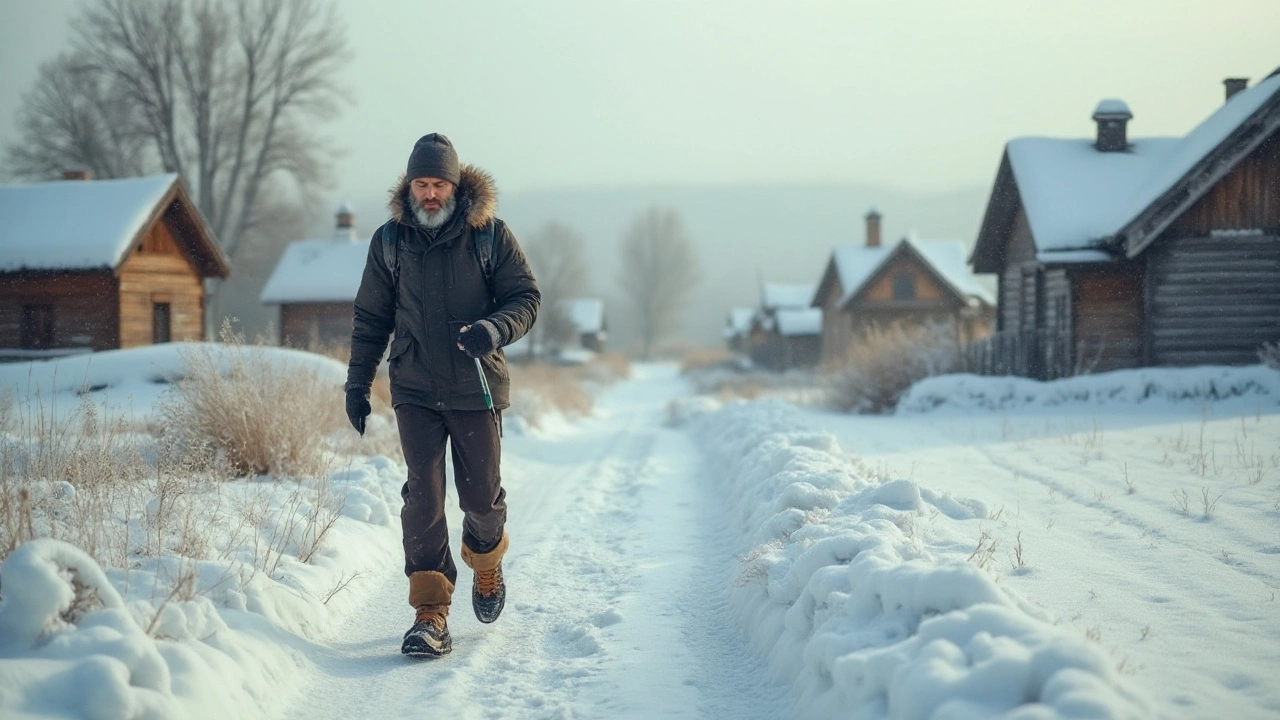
160 323
904 286
37 327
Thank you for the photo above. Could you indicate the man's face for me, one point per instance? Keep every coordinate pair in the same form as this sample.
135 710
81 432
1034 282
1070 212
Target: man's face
431 193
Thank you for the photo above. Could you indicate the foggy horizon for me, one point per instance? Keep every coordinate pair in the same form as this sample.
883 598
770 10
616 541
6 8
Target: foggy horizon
903 106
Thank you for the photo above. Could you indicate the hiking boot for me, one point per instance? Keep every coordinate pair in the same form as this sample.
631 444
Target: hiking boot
429 636
488 594
488 591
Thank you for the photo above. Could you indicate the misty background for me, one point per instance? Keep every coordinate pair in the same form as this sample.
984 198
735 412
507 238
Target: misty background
771 127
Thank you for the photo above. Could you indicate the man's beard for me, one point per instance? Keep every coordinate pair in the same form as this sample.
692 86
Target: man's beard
433 220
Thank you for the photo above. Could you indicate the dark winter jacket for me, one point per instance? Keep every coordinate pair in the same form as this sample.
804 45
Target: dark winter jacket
441 289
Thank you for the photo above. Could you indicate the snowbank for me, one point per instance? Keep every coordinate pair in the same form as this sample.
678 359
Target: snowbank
859 594
130 382
1255 384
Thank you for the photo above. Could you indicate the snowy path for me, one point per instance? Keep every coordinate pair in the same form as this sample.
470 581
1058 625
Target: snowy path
617 588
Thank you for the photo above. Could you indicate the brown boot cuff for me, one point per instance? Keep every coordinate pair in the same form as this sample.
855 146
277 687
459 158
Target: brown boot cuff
489 560
429 587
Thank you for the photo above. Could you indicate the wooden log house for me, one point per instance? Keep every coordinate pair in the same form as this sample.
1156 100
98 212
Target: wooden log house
1116 253
315 284
911 282
90 265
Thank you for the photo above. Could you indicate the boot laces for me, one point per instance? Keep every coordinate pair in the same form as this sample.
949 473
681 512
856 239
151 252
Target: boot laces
428 614
488 581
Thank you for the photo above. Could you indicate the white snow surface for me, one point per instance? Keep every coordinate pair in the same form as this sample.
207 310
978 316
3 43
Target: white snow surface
996 549
1057 177
317 271
793 322
75 224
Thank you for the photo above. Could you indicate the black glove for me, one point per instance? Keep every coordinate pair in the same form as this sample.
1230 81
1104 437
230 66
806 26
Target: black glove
478 339
358 406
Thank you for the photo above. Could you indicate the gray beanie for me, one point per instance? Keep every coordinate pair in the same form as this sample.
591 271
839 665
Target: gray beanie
433 156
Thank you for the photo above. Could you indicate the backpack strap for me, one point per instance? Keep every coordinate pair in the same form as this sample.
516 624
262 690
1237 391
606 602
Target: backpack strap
484 250
391 253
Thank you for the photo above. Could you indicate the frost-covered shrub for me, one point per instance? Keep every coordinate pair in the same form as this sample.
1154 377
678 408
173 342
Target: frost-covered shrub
257 414
884 361
1269 354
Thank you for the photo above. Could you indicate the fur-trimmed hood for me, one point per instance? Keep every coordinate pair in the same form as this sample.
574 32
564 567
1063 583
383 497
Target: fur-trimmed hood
477 197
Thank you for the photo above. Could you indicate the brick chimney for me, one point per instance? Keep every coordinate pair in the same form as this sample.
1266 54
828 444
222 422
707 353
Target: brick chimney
77 175
1235 85
873 228
1112 117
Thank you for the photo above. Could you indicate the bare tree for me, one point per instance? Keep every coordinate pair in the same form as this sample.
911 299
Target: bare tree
558 257
73 120
659 268
225 93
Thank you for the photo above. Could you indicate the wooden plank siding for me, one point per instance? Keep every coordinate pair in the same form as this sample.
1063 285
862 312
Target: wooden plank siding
316 326
1212 299
925 289
837 328
1107 334
1248 197
84 313
157 271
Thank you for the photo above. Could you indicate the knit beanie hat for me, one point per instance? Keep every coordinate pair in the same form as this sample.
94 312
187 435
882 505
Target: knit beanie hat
433 156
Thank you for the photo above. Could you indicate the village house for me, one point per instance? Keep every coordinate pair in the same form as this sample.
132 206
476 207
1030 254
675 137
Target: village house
587 318
910 282
737 331
1117 252
90 265
784 332
315 284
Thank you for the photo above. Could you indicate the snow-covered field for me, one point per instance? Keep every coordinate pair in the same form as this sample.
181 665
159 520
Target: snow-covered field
1106 546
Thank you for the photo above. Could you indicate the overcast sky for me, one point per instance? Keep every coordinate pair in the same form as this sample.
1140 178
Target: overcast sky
912 94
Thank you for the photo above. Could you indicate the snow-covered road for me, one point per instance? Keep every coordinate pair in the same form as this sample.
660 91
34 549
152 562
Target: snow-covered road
616 607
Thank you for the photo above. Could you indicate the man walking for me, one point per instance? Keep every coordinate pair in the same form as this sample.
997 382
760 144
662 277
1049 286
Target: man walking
449 279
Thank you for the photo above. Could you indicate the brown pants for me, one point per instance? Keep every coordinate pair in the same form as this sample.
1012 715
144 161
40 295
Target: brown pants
477 449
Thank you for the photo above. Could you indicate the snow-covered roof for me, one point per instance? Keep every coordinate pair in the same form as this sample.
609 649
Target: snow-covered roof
856 264
949 258
75 224
799 321
780 295
739 322
316 271
586 314
1076 195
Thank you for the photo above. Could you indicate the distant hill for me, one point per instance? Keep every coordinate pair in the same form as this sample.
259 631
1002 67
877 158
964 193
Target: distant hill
779 233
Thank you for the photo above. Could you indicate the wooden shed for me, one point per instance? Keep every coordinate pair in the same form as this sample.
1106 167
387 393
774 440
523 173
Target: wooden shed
102 264
315 284
909 282
1114 253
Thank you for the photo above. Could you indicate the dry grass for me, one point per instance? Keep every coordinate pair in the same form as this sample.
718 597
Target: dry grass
885 361
258 416
702 358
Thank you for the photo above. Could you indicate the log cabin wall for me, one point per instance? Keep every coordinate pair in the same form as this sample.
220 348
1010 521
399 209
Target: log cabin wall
157 273
1213 292
1019 251
82 306
1107 334
1212 299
